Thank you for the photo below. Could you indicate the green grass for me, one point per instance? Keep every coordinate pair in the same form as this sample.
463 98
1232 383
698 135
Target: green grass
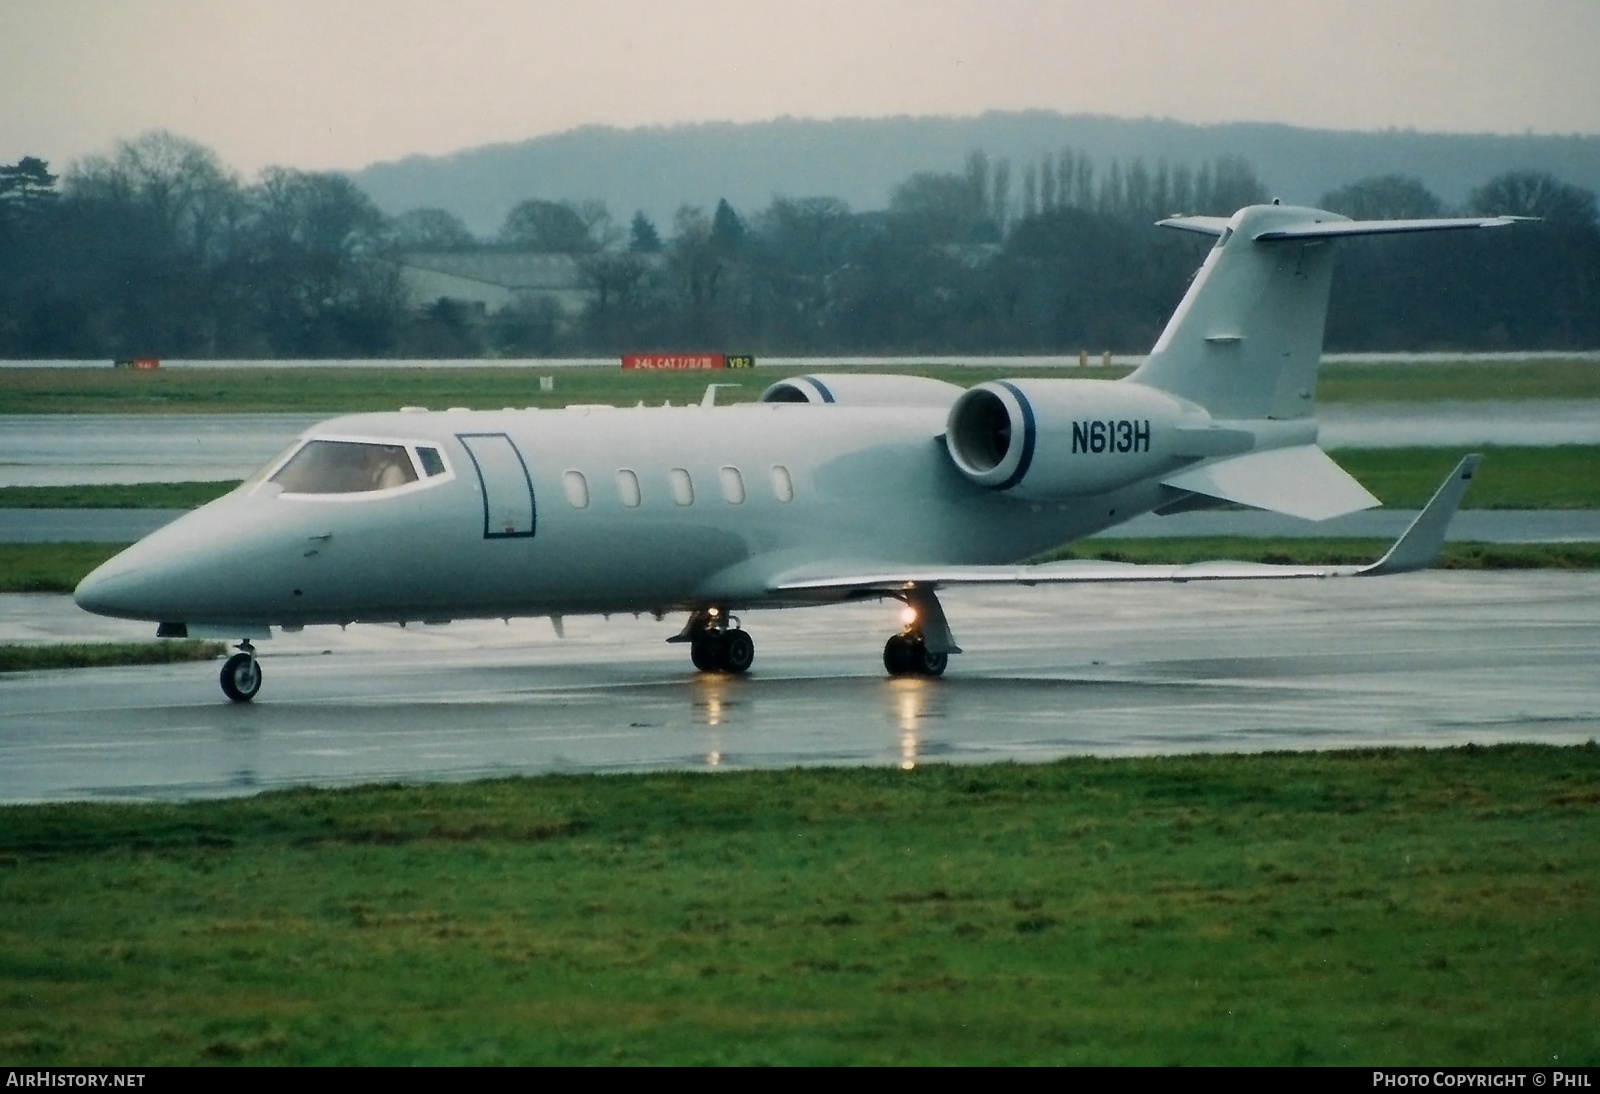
348 390
1381 907
99 654
138 495
50 567
345 390
1559 477
1569 378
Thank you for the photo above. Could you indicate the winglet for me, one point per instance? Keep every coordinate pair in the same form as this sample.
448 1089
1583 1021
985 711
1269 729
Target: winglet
1422 543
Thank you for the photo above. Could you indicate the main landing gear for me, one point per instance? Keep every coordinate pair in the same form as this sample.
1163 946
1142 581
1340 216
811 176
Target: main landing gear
714 644
907 654
924 646
241 674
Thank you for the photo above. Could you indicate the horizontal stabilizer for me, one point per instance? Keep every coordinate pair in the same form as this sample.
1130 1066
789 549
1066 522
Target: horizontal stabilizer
1337 229
1206 226
1301 481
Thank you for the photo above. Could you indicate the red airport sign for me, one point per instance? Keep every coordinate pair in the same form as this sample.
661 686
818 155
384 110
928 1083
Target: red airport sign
686 361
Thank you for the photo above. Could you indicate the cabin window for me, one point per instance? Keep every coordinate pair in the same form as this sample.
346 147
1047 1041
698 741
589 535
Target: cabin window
345 467
682 486
782 485
577 488
732 485
432 462
628 488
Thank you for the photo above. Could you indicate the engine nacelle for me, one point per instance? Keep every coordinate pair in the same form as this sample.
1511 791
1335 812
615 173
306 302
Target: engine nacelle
1050 439
863 390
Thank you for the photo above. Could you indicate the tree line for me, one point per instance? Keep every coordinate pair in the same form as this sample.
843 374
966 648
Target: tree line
158 249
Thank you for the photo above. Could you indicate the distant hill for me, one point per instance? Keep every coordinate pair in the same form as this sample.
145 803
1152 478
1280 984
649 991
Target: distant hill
860 160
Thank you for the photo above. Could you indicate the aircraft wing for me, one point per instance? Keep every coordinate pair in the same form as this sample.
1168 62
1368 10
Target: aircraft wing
1417 549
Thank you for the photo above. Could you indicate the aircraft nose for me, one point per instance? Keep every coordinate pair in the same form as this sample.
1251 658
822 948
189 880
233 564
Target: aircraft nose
117 591
146 581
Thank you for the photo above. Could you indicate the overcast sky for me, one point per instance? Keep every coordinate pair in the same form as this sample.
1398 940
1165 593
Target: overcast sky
342 83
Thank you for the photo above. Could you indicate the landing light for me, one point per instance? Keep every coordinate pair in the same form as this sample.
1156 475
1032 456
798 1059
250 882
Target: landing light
908 615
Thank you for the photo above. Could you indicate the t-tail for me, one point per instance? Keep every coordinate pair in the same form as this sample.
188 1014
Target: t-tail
1247 338
1222 411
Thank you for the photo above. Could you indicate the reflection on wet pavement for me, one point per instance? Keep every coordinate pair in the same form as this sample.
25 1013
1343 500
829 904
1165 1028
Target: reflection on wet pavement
1423 659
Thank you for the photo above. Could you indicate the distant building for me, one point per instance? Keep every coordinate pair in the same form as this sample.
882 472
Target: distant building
489 281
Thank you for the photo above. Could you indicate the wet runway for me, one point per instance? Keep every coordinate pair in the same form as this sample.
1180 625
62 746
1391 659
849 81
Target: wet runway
73 449
1425 659
69 449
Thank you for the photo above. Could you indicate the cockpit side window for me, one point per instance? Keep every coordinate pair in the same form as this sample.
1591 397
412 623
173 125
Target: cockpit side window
260 475
432 462
346 467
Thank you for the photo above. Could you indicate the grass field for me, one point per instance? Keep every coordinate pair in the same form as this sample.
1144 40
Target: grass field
1390 907
19 658
138 495
346 390
1557 477
1572 378
50 567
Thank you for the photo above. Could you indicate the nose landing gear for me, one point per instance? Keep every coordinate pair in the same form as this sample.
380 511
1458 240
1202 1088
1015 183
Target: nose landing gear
714 645
241 674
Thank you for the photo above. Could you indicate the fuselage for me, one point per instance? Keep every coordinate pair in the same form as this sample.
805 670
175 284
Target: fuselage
585 509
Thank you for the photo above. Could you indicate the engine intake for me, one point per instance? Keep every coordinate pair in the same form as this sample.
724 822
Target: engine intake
1048 439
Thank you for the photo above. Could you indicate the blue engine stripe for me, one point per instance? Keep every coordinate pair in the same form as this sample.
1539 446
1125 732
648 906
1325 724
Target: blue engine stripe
822 389
1028 437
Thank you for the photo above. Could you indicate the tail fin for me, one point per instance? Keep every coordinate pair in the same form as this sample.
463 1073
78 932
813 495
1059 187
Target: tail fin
1247 338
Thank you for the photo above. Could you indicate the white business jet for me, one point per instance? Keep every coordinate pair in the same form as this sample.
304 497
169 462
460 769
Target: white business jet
830 488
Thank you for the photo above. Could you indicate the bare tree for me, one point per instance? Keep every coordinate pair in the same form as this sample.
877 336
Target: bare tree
431 230
1536 194
1384 197
556 227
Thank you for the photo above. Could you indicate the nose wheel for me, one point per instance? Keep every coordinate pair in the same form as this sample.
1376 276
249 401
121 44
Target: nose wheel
241 674
907 654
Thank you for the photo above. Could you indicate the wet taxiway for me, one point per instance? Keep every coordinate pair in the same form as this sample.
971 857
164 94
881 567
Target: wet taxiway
1425 659
69 449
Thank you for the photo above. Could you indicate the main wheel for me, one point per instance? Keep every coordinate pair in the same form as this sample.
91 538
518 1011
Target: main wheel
897 655
738 651
705 650
241 677
929 663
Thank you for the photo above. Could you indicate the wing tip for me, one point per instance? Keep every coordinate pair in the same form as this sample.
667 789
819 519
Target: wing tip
1420 546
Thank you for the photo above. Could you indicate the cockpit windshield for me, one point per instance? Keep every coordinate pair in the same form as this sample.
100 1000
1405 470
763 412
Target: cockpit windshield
346 467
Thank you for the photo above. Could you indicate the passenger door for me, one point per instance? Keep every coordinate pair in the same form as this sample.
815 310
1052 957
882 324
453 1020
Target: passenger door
508 503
